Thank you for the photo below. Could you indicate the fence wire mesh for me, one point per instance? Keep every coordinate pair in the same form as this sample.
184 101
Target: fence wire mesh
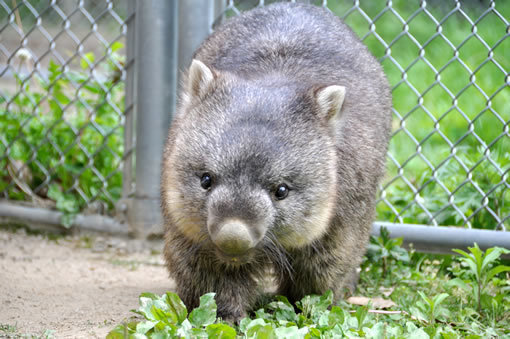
61 103
61 121
447 62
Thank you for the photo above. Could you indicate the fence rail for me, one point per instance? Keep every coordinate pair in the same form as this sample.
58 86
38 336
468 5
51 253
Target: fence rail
87 91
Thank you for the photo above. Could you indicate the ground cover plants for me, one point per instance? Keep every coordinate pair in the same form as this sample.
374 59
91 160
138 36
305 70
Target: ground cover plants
404 295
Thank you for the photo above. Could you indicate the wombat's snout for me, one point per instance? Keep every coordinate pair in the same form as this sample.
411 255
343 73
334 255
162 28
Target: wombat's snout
232 237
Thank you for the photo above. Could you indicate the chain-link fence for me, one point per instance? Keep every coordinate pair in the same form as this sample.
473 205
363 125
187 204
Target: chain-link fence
447 62
62 118
65 137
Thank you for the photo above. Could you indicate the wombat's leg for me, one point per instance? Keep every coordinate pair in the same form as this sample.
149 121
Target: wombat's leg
235 290
315 273
351 282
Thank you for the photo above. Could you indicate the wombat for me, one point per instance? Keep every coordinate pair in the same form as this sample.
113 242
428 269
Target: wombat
273 158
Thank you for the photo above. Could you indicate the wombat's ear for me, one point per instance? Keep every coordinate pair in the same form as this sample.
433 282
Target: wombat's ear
330 100
200 77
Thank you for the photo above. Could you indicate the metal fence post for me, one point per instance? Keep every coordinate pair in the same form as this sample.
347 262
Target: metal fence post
129 111
156 79
195 21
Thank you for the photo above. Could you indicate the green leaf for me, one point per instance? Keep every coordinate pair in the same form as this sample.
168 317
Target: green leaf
168 332
377 331
205 314
116 46
62 99
54 192
258 328
149 295
220 331
314 333
324 301
145 326
261 332
461 252
457 282
185 330
313 305
497 270
449 335
361 314
176 306
87 60
418 334
438 299
67 219
478 255
159 313
67 203
145 308
493 254
122 331
198 333
243 324
54 71
470 260
283 310
336 316
291 332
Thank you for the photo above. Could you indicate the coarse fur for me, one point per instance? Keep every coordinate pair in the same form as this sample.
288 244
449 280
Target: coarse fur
285 94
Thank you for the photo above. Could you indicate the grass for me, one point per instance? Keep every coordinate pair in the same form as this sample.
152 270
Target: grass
449 152
403 295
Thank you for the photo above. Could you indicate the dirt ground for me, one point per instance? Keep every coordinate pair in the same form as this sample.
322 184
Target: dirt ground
74 286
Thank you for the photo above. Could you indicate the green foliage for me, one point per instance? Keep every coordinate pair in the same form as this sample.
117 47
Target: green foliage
446 105
480 268
430 309
430 303
451 109
386 249
65 132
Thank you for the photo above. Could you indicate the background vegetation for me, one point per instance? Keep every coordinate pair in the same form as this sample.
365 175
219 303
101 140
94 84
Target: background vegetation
448 160
449 70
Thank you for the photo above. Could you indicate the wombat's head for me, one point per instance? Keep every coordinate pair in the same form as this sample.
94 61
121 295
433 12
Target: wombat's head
251 163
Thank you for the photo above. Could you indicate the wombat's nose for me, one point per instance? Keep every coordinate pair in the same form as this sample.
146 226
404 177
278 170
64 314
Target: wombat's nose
233 238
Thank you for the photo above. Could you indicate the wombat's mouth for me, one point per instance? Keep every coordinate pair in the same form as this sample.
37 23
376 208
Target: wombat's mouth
237 259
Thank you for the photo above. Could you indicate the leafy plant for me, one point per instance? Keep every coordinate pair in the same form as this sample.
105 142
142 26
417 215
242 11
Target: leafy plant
481 267
430 309
62 136
387 250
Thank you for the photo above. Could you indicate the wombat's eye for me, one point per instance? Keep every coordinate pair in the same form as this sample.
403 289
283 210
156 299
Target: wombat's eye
281 192
206 181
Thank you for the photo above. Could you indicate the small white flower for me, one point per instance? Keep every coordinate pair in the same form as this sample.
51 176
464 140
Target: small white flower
24 54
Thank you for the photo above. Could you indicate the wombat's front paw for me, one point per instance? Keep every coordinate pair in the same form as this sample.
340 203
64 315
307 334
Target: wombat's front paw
232 316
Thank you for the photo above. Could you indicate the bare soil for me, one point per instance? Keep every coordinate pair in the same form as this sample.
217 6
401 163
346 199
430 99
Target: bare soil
74 286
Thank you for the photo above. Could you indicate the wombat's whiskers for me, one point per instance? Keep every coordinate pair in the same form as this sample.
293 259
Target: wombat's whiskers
278 255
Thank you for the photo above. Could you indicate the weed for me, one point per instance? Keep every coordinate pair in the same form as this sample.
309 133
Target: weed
481 270
386 249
